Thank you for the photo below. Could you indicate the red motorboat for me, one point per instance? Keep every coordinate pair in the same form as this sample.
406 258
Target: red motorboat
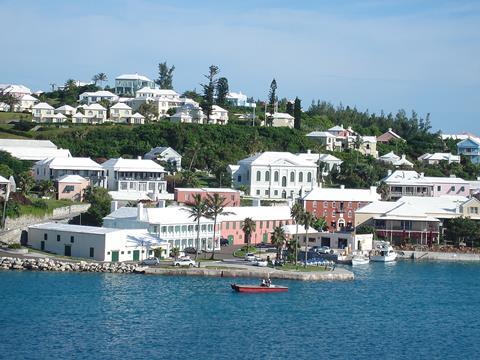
259 288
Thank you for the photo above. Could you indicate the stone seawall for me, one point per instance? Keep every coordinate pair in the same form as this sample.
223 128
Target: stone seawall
437 256
46 264
335 275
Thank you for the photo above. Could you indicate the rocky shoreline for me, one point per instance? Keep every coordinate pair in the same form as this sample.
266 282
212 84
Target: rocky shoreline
47 264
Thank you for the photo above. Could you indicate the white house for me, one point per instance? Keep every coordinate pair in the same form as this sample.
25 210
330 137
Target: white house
129 84
137 119
239 99
436 158
190 112
26 103
59 118
120 113
66 110
164 99
219 115
282 120
56 167
171 224
97 96
136 175
95 243
43 113
32 150
395 160
23 94
327 162
274 175
167 154
93 114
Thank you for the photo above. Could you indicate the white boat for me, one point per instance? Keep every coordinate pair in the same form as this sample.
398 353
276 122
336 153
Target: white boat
360 260
383 253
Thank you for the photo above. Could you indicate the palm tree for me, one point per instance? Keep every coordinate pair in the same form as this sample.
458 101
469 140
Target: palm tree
278 239
70 84
215 205
46 187
101 77
95 79
198 209
296 213
307 220
249 226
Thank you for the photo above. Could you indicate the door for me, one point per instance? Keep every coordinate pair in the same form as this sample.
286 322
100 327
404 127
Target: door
114 256
42 245
265 238
136 255
230 239
68 250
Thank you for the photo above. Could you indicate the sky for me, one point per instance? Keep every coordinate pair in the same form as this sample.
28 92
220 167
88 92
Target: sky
420 55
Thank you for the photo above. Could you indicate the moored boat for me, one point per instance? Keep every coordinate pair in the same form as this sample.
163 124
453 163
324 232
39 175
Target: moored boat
384 253
360 260
259 288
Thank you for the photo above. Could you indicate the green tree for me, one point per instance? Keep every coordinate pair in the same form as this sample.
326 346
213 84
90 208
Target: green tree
197 209
463 229
70 85
5 171
149 109
297 113
165 76
9 99
189 179
249 226
209 91
307 221
222 91
99 200
320 224
46 187
278 239
365 229
215 207
175 252
101 77
272 101
25 182
296 213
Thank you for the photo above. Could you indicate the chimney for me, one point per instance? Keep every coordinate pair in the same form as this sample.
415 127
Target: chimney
403 157
113 206
256 202
389 172
309 151
373 190
422 175
161 203
389 129
140 211
453 176
342 187
139 157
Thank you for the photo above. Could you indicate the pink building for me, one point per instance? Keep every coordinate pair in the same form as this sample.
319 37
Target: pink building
71 187
185 195
266 219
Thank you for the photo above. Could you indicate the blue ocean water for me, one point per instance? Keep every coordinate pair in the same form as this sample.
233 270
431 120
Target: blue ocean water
391 311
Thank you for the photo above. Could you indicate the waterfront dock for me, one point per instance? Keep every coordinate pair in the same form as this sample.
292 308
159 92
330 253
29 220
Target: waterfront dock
437 256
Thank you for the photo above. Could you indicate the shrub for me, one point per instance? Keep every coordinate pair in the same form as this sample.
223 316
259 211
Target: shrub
14 246
40 204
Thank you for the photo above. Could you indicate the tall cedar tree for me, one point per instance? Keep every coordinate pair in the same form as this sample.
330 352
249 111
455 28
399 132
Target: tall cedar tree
290 108
209 91
297 113
165 76
272 99
222 91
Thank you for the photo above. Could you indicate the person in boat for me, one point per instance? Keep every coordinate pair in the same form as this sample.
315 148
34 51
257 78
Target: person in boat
264 283
268 282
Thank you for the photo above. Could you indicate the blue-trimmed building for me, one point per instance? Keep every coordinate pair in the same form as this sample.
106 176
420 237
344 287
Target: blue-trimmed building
470 148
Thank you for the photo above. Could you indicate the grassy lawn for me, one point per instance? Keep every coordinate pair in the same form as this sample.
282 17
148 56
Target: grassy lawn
5 117
300 268
241 252
4 135
39 212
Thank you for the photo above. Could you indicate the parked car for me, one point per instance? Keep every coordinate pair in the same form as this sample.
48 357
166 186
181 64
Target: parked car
223 242
324 250
190 250
250 257
184 261
151 261
260 262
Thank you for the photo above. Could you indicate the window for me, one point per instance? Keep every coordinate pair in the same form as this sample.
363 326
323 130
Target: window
292 177
314 204
184 228
325 213
452 188
164 229
58 237
284 181
190 228
259 176
258 192
204 227
349 213
275 176
267 176
275 192
177 228
228 225
325 204
309 177
349 204
473 210
72 239
334 204
92 252
439 188
261 224
122 252
45 236
170 229
300 177
239 178
267 193
462 188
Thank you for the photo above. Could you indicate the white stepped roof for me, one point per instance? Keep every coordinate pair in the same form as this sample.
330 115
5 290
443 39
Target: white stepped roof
121 106
27 143
342 194
167 215
256 213
138 116
132 77
3 180
99 93
76 179
94 107
313 157
32 150
43 105
218 108
158 92
272 157
13 88
133 165
65 108
320 134
412 177
75 163
391 156
28 97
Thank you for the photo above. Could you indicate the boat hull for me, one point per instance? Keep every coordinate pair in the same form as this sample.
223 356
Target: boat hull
358 262
387 258
258 288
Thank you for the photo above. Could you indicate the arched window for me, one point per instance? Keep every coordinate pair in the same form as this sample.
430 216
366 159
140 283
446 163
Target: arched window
284 181
292 177
275 176
284 193
300 177
259 176
309 177
267 175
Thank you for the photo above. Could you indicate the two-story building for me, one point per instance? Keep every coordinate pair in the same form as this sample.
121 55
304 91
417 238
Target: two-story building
470 149
410 183
97 96
165 154
239 99
164 99
219 115
325 162
129 84
274 175
120 113
282 120
55 167
189 112
395 160
66 110
338 205
136 175
389 135
43 113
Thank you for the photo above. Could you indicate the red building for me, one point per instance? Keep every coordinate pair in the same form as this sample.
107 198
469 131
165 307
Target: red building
338 206
185 195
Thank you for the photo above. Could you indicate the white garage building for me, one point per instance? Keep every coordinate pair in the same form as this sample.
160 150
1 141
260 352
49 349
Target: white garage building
96 243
